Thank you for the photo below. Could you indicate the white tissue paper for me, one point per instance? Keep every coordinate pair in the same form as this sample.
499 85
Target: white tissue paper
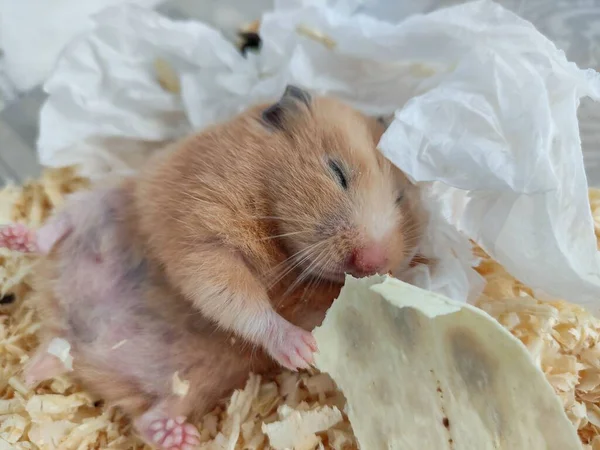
483 107
29 56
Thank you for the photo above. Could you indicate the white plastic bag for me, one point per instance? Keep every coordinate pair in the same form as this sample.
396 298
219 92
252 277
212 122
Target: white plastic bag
485 116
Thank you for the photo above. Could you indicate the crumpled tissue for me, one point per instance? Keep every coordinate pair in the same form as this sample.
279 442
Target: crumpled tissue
482 110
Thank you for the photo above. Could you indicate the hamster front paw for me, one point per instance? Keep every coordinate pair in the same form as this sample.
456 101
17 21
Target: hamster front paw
292 347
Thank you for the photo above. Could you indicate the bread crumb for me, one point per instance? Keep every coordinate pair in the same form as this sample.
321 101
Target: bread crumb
62 350
316 35
166 76
180 387
119 344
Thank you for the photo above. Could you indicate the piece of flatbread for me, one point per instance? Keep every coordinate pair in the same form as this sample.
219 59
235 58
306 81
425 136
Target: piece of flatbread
423 372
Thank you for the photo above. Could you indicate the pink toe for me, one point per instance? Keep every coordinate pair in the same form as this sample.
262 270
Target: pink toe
157 425
159 436
190 429
311 342
192 440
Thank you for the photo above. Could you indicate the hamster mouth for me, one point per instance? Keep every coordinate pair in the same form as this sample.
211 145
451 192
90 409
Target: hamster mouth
340 275
337 273
360 273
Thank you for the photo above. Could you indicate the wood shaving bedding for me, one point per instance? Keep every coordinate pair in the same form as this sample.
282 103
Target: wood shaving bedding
304 409
562 338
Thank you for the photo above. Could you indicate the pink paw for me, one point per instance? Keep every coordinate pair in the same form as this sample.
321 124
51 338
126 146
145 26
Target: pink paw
19 238
293 348
174 434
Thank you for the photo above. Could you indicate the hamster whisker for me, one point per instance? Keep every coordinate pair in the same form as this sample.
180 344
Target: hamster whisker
412 228
298 254
317 280
305 273
293 233
414 231
414 234
285 272
293 285
292 262
412 240
294 265
317 263
313 284
316 245
300 257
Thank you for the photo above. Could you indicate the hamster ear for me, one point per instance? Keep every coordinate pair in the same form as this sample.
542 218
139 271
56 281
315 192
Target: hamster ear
289 103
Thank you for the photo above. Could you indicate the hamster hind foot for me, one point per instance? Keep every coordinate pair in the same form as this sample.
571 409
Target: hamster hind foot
158 428
174 434
42 366
18 237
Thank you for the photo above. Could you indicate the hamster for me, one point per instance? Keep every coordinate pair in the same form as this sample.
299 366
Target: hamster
293 191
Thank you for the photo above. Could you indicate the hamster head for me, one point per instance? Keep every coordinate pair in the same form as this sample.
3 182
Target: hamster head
339 205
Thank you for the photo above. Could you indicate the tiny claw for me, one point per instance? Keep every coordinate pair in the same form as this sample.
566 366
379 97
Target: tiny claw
292 347
312 342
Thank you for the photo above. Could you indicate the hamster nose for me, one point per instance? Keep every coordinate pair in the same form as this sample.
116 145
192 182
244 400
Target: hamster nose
369 260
